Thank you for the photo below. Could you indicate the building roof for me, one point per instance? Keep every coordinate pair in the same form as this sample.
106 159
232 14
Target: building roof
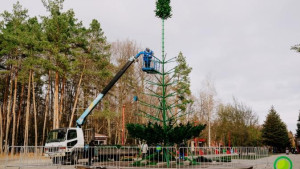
100 135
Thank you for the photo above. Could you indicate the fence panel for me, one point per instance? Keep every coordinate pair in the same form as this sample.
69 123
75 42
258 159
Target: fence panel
221 157
99 156
134 157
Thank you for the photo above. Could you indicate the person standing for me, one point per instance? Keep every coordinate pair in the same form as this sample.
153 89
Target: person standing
148 57
148 54
144 150
181 151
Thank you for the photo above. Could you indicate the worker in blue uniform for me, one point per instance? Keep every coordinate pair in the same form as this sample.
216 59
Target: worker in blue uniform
148 54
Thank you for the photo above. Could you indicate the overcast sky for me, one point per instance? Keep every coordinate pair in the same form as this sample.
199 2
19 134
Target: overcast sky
244 45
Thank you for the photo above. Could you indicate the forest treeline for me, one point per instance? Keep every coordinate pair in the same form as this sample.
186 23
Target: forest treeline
56 66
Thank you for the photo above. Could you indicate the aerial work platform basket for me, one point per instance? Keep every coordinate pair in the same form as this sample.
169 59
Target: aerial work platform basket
153 67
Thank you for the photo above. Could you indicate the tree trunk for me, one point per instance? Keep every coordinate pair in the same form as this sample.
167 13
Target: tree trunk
61 99
19 112
119 133
76 99
55 115
35 113
8 113
47 107
27 111
14 114
109 131
6 93
1 131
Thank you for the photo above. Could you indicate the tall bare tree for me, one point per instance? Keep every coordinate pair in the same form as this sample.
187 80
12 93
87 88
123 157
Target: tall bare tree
207 103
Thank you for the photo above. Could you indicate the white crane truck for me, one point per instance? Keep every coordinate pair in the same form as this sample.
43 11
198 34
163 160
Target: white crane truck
70 144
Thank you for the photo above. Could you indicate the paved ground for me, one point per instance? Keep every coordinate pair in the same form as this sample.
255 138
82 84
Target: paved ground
294 158
265 163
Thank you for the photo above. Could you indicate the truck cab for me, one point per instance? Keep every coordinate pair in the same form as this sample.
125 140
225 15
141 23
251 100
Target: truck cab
62 141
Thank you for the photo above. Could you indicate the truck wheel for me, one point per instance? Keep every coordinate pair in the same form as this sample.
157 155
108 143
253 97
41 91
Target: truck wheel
74 158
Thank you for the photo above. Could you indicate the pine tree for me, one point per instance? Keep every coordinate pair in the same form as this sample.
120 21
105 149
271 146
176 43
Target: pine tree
34 52
61 29
274 132
13 50
91 61
32 48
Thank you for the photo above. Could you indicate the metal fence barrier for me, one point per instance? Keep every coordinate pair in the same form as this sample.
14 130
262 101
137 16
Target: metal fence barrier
133 157
223 157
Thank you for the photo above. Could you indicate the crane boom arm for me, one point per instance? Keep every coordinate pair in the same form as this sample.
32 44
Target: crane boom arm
80 121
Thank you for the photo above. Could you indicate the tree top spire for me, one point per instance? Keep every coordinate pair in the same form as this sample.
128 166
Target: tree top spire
163 9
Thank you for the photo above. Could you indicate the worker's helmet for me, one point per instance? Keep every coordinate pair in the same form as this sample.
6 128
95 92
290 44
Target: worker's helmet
147 49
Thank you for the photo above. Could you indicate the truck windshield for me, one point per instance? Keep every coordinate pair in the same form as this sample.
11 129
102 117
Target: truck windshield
56 136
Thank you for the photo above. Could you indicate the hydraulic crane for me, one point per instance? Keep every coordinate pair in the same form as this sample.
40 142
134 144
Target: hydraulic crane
62 142
147 54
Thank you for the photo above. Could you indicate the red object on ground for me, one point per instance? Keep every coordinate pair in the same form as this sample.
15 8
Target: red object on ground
202 139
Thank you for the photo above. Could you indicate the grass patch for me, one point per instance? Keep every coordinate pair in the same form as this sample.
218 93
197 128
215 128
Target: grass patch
223 159
139 163
127 159
195 163
203 159
198 160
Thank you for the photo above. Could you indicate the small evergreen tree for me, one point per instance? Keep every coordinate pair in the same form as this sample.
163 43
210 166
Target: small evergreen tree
182 89
274 132
153 133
